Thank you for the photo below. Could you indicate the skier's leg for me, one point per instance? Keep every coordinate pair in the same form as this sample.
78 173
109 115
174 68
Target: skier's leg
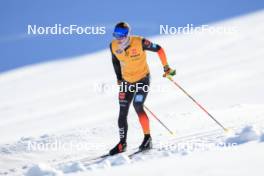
139 99
125 98
138 103
143 118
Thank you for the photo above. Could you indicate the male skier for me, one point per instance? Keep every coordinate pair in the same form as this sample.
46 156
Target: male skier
132 72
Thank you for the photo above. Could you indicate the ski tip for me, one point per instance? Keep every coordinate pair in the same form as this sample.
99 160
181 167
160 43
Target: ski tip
228 131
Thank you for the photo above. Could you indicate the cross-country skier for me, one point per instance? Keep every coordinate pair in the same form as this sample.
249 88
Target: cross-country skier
132 72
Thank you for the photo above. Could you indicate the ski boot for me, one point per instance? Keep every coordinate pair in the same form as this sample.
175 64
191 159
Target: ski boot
147 143
119 148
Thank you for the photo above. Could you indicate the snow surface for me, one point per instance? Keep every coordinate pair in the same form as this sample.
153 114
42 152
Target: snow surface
247 134
42 169
247 160
55 104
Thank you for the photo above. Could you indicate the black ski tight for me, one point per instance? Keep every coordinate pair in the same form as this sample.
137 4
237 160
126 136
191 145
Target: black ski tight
137 92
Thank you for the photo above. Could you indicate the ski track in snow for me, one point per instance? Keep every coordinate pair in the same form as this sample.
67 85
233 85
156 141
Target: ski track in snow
55 102
67 164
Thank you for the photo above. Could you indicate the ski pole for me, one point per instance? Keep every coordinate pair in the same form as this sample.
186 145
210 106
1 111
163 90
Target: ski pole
198 104
158 120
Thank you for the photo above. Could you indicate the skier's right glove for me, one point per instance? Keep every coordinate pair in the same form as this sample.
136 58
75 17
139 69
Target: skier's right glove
168 71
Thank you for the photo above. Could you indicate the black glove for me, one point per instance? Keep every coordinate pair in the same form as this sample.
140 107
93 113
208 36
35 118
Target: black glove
168 71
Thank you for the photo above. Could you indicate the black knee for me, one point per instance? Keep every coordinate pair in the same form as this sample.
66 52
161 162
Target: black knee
122 119
138 107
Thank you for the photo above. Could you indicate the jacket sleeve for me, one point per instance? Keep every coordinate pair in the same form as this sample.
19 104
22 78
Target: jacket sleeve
116 64
147 45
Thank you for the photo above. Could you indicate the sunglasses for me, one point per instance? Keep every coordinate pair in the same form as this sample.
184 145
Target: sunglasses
120 33
118 36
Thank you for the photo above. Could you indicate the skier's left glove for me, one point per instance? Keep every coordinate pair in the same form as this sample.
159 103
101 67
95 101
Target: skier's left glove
168 71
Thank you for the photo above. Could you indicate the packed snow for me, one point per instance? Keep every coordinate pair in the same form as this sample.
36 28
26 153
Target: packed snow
41 170
247 134
72 167
54 122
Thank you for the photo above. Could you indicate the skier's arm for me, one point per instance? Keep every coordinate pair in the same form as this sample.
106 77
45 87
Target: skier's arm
116 64
147 45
